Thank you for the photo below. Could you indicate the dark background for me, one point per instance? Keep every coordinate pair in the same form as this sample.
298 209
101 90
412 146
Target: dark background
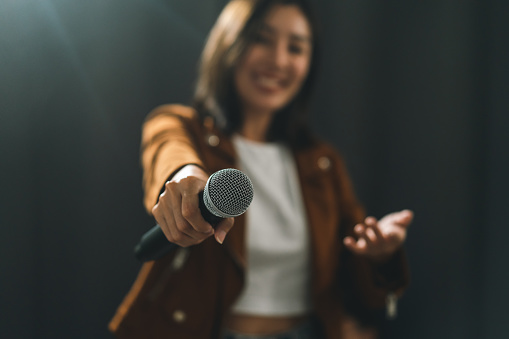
414 93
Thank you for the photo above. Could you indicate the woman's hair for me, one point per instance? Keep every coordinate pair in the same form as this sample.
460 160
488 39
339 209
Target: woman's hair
215 94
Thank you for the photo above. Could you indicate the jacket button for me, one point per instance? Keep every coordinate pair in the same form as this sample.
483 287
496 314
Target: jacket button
179 316
324 163
213 140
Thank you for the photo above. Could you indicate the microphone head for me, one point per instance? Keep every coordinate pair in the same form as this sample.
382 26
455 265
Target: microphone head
228 193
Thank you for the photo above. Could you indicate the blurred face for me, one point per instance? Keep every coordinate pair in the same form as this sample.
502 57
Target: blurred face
276 64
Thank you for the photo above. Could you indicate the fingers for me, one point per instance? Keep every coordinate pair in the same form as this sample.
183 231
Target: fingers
370 238
373 231
222 229
380 235
178 214
356 246
401 218
404 217
369 232
372 224
380 238
192 219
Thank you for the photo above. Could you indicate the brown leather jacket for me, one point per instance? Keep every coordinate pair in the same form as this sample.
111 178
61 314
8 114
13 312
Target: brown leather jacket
186 294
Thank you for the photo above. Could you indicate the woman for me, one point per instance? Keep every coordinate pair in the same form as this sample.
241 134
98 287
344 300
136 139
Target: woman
304 250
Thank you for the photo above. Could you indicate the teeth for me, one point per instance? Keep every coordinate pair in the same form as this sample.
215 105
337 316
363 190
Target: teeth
268 82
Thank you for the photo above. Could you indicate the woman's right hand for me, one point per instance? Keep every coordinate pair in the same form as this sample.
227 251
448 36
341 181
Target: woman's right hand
178 214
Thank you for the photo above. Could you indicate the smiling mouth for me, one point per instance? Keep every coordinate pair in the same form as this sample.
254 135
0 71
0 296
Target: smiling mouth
269 83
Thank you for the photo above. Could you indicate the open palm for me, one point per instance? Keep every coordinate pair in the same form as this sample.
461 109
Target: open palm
379 239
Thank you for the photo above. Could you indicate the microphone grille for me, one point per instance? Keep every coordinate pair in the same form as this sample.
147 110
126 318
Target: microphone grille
228 193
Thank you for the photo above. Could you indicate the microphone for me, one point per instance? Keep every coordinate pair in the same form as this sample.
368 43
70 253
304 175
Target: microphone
228 193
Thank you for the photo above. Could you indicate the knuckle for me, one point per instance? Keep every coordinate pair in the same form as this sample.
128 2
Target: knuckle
183 228
170 186
187 211
167 233
185 182
171 238
163 197
191 185
179 238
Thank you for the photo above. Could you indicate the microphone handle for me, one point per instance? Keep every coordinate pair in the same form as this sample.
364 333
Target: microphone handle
206 214
154 244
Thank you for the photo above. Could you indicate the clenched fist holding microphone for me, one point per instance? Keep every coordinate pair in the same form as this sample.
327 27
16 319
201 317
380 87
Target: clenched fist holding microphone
193 207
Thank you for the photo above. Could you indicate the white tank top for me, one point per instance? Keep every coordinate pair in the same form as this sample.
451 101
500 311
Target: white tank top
278 260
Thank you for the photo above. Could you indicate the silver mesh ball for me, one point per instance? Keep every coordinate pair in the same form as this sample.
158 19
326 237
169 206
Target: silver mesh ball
228 193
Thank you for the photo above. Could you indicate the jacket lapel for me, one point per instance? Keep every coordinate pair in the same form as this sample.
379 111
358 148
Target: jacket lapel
219 154
322 214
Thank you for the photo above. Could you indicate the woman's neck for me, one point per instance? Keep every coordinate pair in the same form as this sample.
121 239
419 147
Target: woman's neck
256 126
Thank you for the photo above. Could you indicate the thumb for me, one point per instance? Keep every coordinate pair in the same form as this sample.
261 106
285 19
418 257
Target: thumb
222 229
405 217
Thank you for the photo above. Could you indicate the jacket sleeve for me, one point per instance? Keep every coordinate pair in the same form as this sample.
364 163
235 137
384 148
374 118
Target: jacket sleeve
166 147
169 142
365 282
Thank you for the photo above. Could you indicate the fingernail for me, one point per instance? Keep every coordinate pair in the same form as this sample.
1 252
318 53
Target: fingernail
220 236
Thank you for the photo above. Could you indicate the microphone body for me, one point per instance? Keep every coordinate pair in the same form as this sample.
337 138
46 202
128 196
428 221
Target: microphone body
228 193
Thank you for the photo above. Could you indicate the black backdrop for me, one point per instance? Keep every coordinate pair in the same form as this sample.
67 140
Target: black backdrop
413 93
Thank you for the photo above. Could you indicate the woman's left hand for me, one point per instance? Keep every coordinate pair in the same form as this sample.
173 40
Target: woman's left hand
379 239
